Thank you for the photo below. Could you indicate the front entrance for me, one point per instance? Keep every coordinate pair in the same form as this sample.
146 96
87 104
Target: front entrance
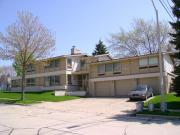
78 82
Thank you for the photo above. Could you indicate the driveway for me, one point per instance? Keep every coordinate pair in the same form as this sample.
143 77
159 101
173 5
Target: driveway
86 116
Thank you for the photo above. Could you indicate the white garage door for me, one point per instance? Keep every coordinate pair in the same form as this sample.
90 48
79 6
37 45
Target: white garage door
104 89
123 87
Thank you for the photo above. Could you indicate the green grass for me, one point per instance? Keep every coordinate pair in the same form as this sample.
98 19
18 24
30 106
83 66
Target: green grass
156 112
173 101
33 97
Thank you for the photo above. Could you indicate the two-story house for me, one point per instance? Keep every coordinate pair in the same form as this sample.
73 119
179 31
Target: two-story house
99 75
117 77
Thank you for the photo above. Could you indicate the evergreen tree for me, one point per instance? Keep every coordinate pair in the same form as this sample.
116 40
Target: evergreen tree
176 41
100 49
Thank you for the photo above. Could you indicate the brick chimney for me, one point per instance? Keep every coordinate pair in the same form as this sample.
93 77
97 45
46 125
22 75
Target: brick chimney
75 51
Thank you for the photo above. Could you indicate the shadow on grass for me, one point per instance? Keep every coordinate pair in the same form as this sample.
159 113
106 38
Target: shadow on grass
130 116
170 105
9 101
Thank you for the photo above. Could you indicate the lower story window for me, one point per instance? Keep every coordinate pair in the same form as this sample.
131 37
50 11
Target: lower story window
30 81
16 83
52 80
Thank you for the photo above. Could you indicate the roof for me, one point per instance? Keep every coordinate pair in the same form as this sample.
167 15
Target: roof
129 57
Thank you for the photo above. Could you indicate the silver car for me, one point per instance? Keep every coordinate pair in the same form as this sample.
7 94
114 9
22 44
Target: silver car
141 92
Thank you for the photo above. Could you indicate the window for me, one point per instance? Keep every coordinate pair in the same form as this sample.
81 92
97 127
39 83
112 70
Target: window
30 68
109 67
153 61
52 80
148 62
117 68
15 83
143 62
30 82
69 80
69 63
82 63
101 69
53 64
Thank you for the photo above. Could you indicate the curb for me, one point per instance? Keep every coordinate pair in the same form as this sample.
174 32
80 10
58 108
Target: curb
159 116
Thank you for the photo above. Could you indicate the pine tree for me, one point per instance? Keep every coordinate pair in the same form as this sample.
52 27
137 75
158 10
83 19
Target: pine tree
176 41
100 49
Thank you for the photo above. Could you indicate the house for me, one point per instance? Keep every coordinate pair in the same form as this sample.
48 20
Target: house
99 75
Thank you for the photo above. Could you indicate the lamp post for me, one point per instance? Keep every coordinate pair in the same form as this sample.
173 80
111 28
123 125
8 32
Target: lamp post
163 104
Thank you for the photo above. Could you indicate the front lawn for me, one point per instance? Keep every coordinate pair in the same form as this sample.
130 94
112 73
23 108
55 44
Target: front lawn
173 101
32 97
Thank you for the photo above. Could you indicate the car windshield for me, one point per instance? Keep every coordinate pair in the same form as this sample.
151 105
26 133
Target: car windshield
140 88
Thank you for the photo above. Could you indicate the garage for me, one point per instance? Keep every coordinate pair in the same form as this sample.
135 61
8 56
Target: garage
151 81
104 89
123 87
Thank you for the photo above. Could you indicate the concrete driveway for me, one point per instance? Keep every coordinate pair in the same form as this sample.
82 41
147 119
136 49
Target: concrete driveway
86 116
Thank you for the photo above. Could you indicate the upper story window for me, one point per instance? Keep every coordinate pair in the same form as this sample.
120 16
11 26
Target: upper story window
53 63
153 61
148 62
30 68
82 63
30 81
117 68
69 63
101 69
109 67
143 62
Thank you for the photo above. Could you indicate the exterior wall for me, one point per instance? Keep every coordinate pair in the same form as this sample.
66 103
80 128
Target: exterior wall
113 84
130 66
40 66
168 64
168 82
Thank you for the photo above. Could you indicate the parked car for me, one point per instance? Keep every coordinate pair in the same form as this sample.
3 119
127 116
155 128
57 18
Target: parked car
141 92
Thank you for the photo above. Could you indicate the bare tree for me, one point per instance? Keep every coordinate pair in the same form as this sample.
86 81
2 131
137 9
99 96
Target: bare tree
26 38
141 39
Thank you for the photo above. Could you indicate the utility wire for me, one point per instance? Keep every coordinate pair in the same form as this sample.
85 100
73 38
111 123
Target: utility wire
166 10
167 6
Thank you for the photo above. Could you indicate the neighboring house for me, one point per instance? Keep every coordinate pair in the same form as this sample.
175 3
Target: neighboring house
5 82
98 75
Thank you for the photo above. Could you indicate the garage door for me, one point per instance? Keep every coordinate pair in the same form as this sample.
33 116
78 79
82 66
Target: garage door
104 89
152 81
123 87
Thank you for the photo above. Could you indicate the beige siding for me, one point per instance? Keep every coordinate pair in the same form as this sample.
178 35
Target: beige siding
104 88
128 67
123 87
40 66
134 66
125 67
63 79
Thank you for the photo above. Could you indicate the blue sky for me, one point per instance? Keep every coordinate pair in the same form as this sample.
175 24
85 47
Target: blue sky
80 22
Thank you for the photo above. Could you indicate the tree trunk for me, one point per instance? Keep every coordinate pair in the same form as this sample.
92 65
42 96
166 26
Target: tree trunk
22 84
